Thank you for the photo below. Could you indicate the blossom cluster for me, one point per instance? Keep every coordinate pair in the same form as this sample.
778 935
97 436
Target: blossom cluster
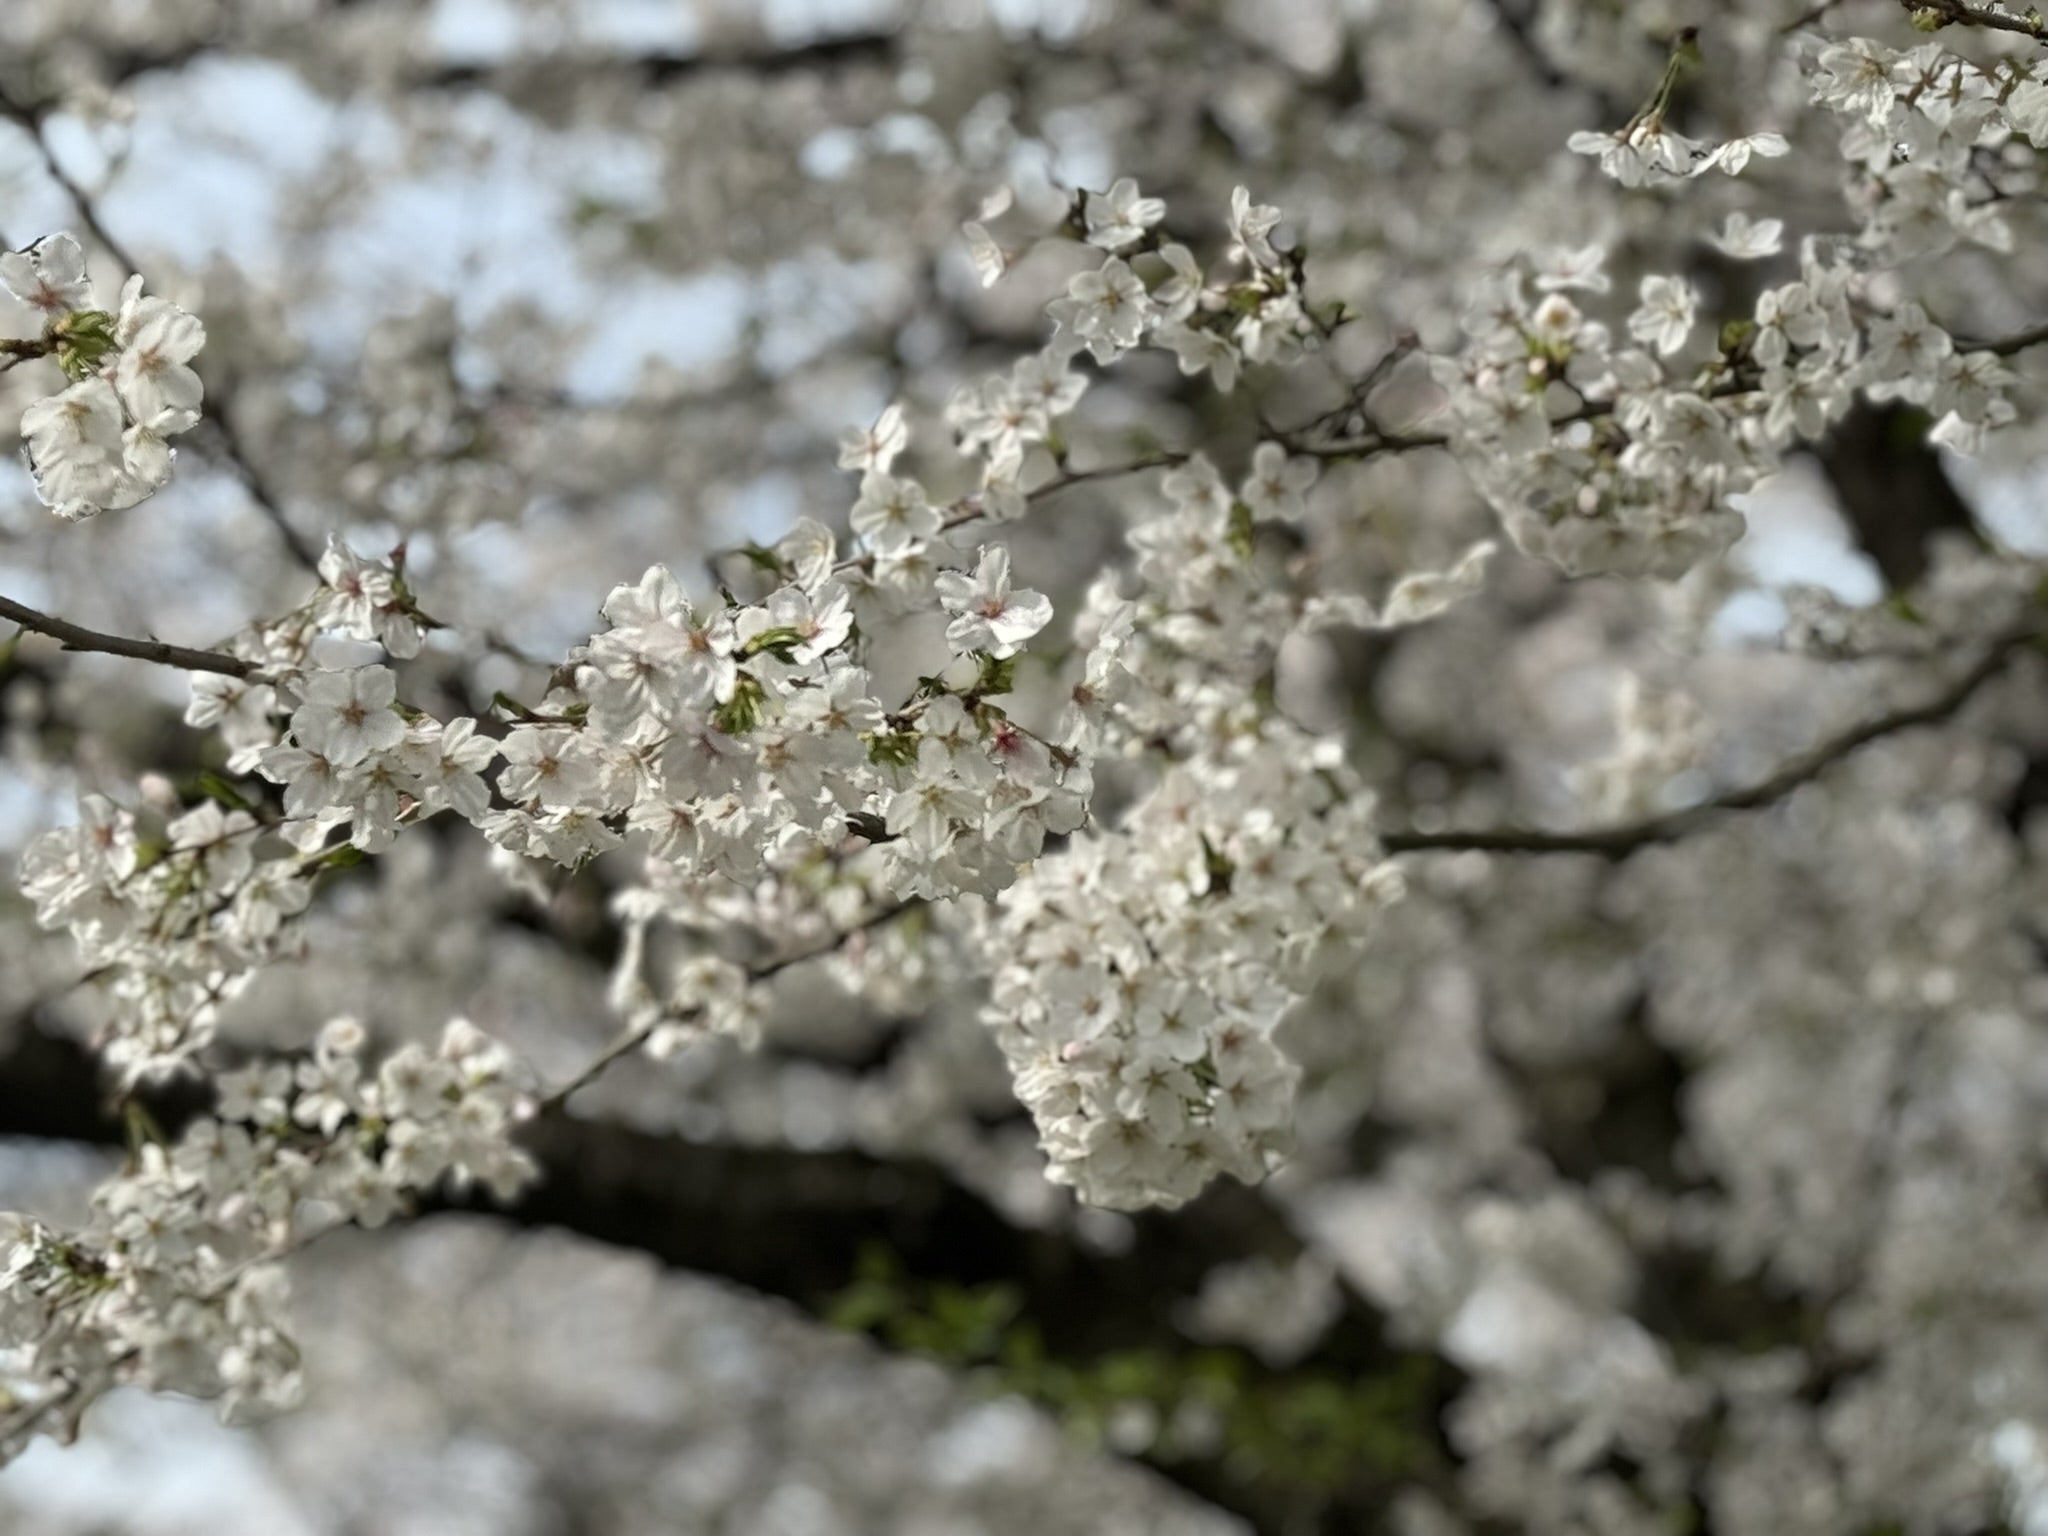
177 918
1149 863
101 443
1924 134
1148 970
1217 329
175 1282
1139 979
1606 457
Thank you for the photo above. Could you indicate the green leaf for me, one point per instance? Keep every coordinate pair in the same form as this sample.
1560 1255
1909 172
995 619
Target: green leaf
214 787
742 712
763 558
1220 870
84 338
996 676
779 641
1241 530
898 748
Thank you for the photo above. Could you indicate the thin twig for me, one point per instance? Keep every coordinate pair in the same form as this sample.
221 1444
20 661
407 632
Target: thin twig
630 1040
1618 842
1812 16
1517 26
75 637
970 511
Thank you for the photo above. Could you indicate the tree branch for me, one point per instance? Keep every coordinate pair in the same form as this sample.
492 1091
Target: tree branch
1618 842
1517 26
661 68
2006 346
1962 13
75 637
632 1039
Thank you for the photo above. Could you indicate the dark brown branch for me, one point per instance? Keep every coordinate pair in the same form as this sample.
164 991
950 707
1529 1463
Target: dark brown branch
1618 842
119 67
1963 14
2006 346
658 68
76 637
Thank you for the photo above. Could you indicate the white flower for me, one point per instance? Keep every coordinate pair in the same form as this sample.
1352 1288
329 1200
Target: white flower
893 514
1197 350
1251 225
656 598
1906 345
158 341
1621 156
1118 220
1733 157
311 784
923 815
1275 488
1425 594
1108 309
2027 109
550 765
1666 316
362 599
1046 383
875 449
346 716
1743 240
49 275
1973 386
1564 268
988 616
77 448
990 260
1854 76
448 764
821 621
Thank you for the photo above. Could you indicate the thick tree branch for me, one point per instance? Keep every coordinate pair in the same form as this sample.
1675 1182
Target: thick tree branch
659 68
120 67
75 637
1618 842
2006 346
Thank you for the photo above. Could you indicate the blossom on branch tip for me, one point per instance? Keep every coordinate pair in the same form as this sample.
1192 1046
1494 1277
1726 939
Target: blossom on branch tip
987 615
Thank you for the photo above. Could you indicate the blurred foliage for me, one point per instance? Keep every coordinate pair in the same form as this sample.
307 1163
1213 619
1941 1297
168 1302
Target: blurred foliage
1305 1428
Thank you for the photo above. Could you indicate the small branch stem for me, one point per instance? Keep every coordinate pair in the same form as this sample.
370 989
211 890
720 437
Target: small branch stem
1962 13
1618 842
630 1040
